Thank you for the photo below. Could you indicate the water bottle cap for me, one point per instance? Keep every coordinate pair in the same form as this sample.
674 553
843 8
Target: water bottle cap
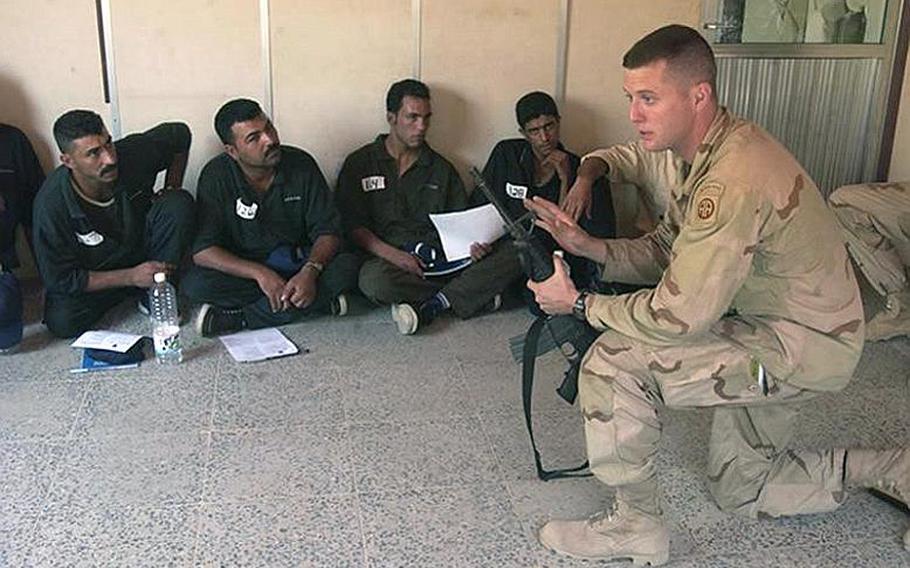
160 277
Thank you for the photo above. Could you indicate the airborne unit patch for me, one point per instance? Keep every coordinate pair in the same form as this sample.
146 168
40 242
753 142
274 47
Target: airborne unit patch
706 207
706 201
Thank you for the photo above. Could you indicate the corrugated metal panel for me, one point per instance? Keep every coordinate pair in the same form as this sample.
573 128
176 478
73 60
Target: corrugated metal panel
826 119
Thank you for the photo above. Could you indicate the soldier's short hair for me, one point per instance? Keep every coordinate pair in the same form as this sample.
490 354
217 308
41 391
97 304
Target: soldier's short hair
686 52
73 125
534 105
232 112
404 88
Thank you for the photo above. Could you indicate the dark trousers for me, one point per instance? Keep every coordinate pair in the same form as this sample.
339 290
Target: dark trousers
168 233
204 285
468 290
10 218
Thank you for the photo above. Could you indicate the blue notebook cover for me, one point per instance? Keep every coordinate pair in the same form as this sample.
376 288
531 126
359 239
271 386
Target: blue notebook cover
89 364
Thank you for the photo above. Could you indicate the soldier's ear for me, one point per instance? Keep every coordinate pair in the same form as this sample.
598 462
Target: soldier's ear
702 93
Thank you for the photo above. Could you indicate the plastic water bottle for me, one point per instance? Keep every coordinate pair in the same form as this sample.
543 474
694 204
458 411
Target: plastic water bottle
165 321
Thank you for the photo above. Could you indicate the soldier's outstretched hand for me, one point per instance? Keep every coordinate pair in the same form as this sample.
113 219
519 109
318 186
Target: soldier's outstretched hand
565 230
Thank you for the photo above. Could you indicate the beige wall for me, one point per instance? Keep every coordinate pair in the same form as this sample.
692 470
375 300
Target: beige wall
600 32
50 63
184 65
900 157
332 62
479 57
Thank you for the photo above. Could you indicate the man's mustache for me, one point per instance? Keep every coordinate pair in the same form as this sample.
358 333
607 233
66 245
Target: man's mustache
108 169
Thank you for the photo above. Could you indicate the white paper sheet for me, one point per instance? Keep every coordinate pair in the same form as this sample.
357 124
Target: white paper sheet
258 345
107 340
459 230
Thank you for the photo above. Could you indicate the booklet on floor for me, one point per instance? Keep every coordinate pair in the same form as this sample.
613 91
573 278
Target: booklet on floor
258 345
90 364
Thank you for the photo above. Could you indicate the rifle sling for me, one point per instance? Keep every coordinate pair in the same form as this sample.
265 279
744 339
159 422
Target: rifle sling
527 388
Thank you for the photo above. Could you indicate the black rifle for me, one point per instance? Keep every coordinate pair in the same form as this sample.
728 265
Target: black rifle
571 336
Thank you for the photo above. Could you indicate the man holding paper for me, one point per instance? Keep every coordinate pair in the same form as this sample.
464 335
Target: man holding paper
386 192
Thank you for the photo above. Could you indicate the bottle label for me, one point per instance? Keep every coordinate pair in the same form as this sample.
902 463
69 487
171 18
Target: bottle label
167 340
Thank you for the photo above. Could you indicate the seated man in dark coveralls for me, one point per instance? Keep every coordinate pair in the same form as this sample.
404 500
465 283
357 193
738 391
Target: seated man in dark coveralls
386 191
539 165
100 231
266 252
20 177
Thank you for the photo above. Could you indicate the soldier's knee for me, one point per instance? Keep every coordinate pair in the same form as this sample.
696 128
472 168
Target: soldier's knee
725 501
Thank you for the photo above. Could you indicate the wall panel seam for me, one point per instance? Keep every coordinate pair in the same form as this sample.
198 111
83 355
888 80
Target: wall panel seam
111 70
265 33
417 31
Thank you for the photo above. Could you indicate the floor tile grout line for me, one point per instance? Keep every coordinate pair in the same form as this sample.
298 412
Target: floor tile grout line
358 504
65 450
201 503
524 524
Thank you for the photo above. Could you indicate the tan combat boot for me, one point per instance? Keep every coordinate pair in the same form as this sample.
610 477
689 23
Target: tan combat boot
885 471
622 532
893 321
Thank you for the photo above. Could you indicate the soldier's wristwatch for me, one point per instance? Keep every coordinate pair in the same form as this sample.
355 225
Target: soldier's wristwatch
578 308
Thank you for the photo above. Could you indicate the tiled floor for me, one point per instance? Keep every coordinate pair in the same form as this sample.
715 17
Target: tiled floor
371 450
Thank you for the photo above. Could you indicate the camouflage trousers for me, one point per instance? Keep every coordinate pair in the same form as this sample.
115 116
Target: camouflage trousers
623 383
875 221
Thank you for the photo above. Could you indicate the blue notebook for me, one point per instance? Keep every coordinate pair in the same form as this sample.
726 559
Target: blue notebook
90 364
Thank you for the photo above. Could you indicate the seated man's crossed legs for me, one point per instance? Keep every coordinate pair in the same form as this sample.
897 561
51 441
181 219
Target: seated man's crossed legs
230 303
417 301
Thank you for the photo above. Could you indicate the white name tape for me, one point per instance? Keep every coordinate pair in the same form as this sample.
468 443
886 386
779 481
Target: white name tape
245 211
516 191
92 239
373 183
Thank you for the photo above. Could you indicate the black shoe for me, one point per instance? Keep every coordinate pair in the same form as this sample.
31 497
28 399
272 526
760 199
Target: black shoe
430 309
142 304
493 305
213 320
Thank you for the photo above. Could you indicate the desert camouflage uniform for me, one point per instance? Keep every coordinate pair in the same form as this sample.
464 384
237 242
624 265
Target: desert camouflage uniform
875 222
655 174
750 269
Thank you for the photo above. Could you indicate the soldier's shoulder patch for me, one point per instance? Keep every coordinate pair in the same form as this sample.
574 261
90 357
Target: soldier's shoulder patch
706 202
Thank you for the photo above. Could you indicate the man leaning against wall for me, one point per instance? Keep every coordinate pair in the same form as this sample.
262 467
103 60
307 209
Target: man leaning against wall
267 248
743 318
538 164
386 191
20 178
100 231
